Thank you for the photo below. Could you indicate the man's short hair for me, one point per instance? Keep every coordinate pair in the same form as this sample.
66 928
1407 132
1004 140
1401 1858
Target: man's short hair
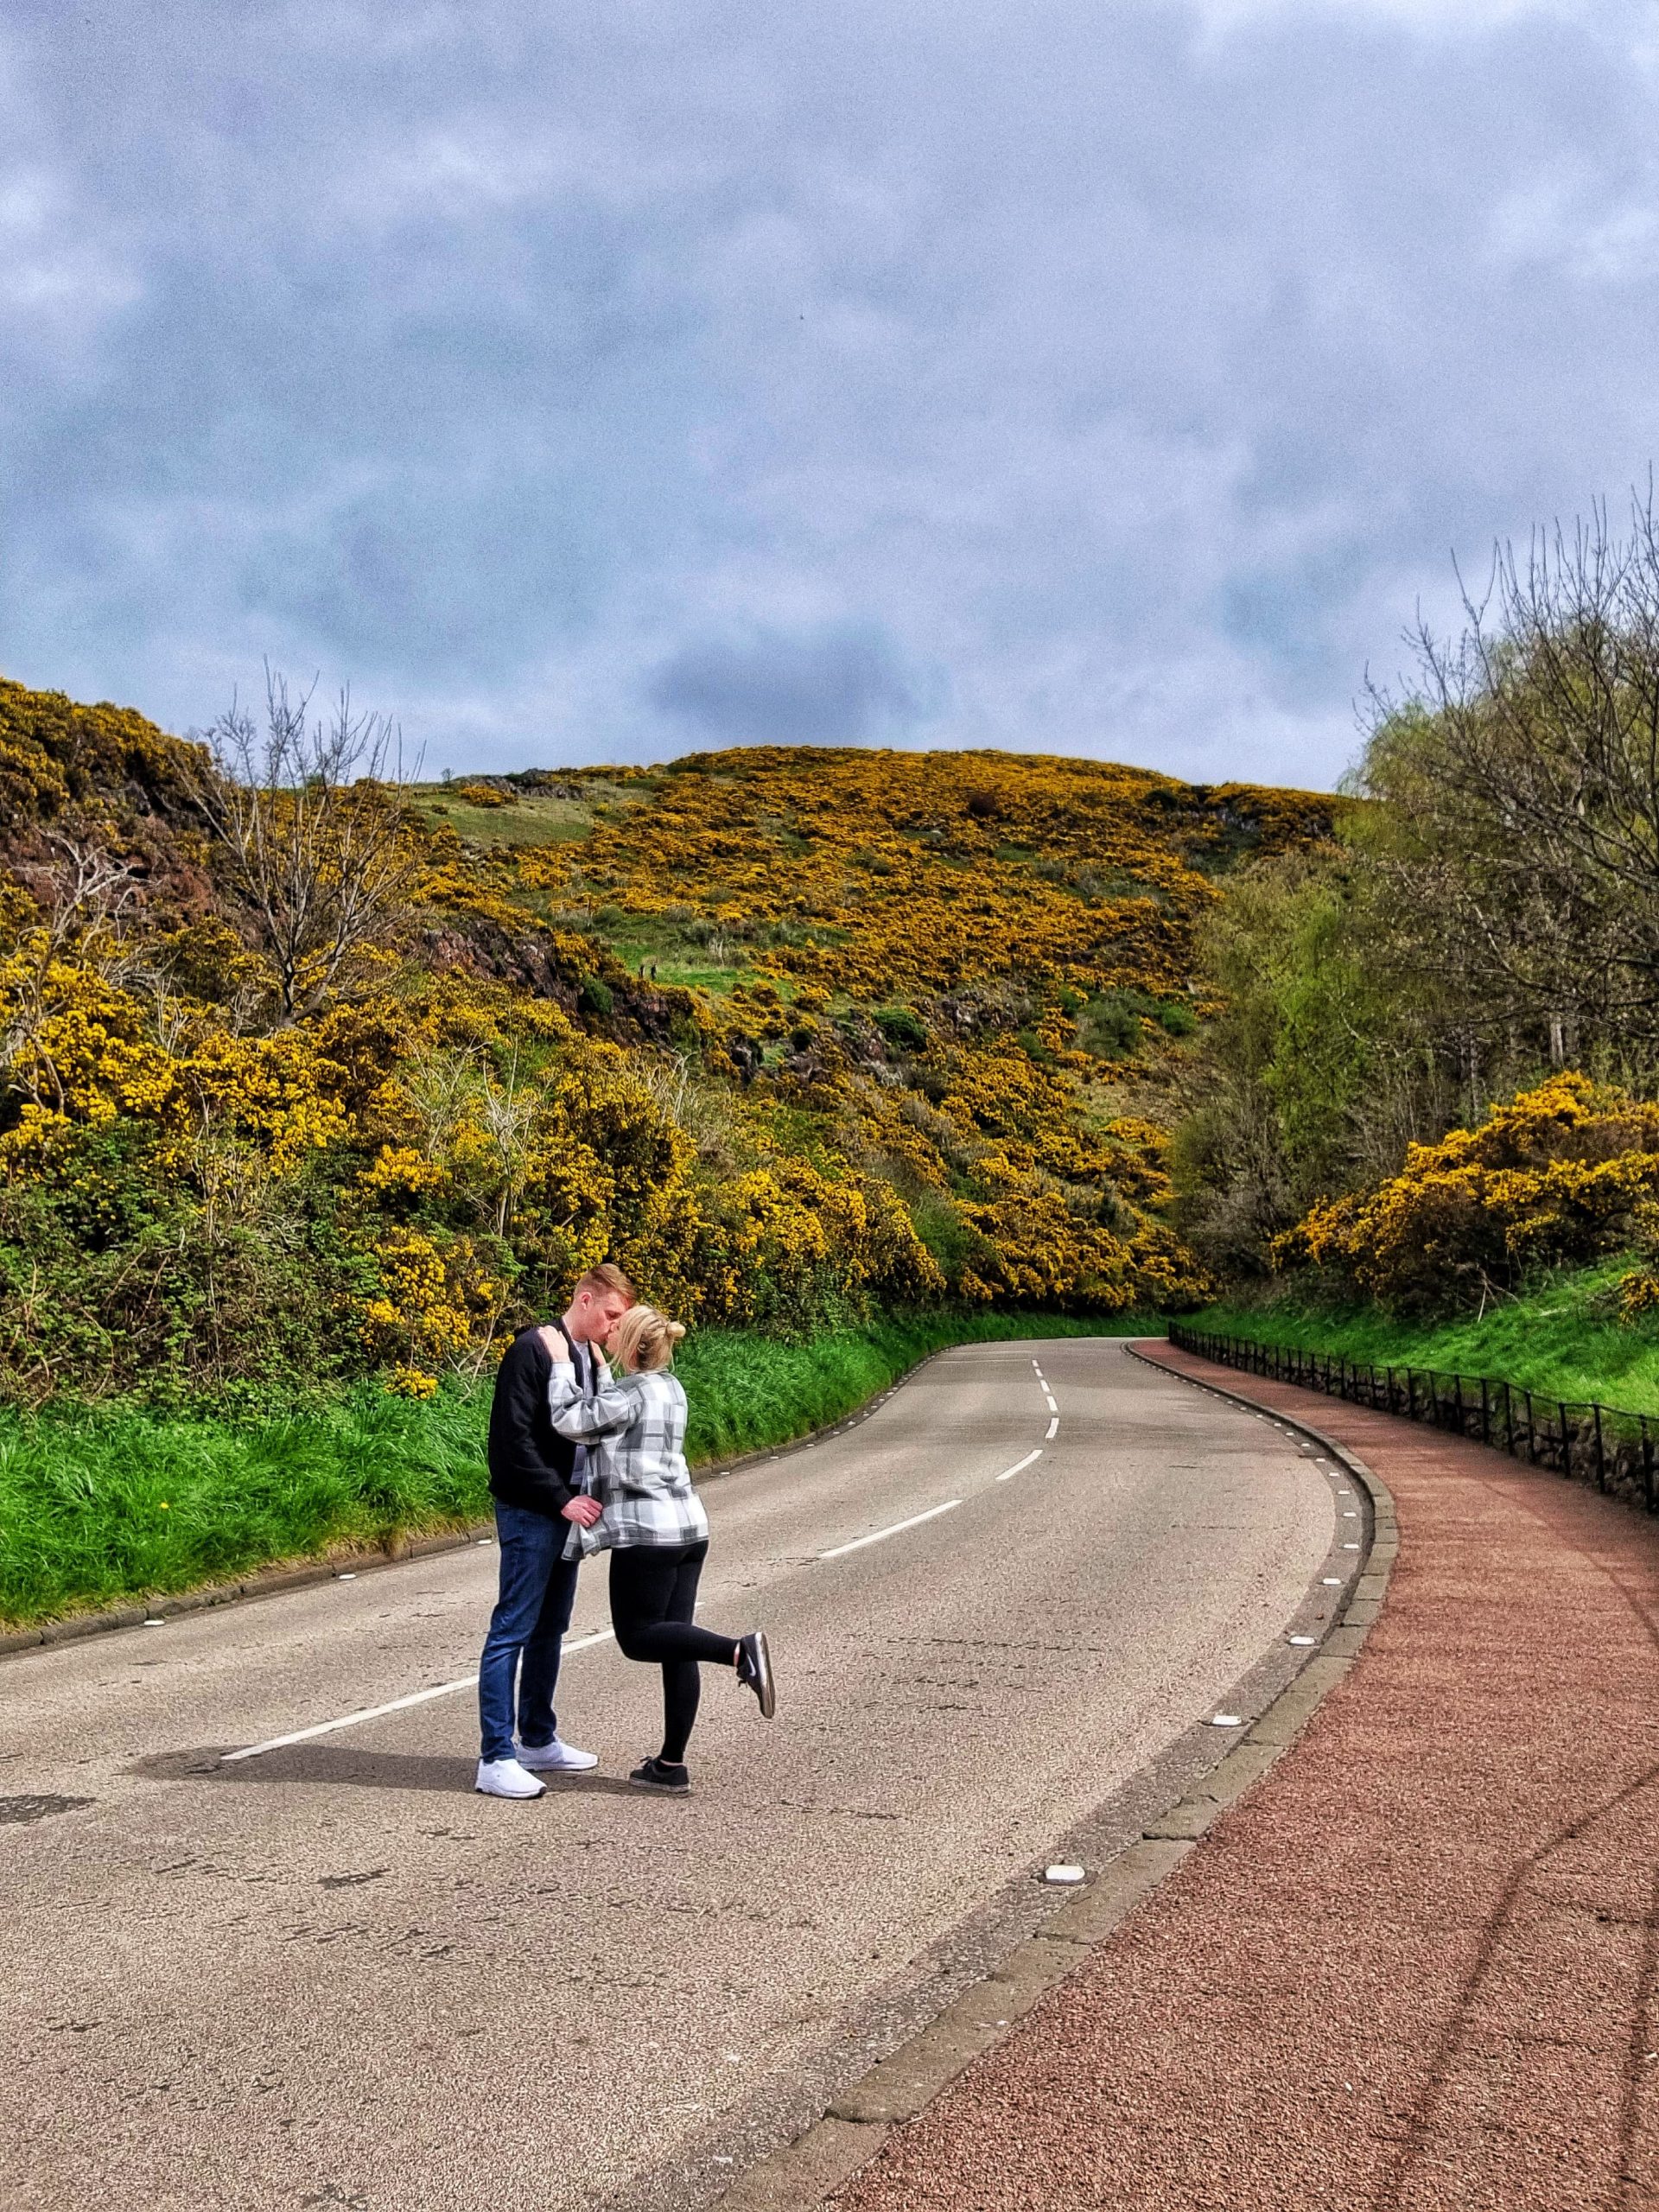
607 1280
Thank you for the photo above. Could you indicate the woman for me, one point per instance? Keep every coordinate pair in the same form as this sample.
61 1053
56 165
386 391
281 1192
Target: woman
653 1526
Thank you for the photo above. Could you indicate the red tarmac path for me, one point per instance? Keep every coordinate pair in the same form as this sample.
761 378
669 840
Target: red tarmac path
1418 1966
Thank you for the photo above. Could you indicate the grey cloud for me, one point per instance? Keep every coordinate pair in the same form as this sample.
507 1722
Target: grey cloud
846 687
578 381
444 585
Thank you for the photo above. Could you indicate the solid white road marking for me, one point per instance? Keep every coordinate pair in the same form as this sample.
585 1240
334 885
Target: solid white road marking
374 1711
1020 1465
881 1536
1052 1430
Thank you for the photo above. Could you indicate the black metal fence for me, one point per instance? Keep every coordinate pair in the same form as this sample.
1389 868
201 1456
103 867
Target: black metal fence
1585 1442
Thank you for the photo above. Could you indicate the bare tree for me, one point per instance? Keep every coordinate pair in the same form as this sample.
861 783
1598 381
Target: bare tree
307 819
85 895
86 899
1527 782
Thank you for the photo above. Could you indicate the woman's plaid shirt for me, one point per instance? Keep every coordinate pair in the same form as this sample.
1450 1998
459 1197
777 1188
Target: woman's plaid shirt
634 1430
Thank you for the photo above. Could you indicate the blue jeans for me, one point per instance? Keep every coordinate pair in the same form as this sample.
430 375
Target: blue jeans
538 1589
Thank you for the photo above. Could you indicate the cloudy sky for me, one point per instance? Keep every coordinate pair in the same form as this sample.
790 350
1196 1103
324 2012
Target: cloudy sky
593 382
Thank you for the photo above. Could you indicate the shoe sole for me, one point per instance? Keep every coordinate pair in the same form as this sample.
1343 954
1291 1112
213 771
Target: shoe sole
661 1789
510 1796
764 1688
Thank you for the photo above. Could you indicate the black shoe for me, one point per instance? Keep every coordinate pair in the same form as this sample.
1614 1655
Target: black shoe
754 1667
657 1773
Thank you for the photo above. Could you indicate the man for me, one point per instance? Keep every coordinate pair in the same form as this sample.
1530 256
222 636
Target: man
535 1478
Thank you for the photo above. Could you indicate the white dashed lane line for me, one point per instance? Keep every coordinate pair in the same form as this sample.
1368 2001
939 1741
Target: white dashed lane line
395 1705
881 1536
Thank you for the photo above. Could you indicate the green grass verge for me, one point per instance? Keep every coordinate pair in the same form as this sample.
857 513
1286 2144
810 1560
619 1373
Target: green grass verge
533 818
1563 1339
98 1505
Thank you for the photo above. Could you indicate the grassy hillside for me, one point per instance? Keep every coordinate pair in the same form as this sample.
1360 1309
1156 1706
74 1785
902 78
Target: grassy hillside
1565 1338
796 1036
875 876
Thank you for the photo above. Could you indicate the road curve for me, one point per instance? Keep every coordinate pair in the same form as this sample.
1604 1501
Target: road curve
330 1974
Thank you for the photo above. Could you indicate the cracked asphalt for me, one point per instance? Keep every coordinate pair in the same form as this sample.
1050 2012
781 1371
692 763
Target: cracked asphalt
332 1975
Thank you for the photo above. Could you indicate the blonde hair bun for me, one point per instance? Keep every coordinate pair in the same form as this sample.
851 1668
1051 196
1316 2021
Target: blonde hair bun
644 1340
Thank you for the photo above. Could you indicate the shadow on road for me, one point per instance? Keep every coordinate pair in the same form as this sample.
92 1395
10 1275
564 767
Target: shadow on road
341 1765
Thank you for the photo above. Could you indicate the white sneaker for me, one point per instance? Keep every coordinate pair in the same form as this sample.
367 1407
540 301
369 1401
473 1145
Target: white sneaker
506 1778
556 1759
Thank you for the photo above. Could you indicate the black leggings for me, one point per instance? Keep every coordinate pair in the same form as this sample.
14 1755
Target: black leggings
653 1596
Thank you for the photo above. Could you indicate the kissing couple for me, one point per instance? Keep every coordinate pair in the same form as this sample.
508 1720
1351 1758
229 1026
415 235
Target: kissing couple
581 1461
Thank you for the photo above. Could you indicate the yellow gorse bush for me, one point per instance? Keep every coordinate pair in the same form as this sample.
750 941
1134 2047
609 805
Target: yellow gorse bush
1554 1177
788 1034
897 874
81 1050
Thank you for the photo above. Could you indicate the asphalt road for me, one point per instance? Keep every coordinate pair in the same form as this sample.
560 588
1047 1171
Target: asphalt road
330 1974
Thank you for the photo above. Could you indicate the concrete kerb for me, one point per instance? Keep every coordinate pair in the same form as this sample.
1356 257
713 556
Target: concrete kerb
296 1574
798 2175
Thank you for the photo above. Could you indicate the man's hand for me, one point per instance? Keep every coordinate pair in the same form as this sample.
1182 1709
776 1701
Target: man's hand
584 1511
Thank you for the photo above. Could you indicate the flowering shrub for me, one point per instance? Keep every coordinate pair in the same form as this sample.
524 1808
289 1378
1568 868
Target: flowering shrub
1555 1176
56 755
433 1296
888 875
791 1035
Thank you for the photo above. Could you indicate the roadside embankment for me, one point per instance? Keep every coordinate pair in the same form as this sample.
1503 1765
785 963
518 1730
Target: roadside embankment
100 1505
1416 1966
1565 1338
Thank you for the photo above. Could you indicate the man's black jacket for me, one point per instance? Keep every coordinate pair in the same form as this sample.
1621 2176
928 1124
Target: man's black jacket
530 1464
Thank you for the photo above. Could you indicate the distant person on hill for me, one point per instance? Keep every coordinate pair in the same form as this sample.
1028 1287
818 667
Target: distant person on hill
537 1477
653 1526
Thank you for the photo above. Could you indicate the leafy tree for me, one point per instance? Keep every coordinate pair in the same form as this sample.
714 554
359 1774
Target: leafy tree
1487 910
